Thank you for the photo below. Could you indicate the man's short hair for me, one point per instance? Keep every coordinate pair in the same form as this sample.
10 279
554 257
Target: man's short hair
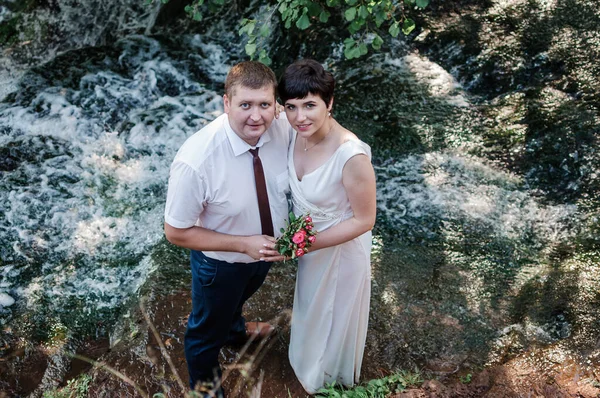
303 77
250 74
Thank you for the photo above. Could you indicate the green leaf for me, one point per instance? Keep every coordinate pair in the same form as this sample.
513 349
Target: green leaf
377 42
264 58
363 49
324 16
251 26
303 22
282 8
314 9
164 1
356 25
422 3
351 2
408 26
380 17
197 16
187 8
264 30
363 12
394 29
352 52
350 14
218 2
332 3
250 49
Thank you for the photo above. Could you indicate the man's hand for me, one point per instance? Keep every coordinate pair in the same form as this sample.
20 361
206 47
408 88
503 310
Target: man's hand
278 109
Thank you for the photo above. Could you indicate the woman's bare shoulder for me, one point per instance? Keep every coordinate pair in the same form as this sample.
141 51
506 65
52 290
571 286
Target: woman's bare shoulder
348 135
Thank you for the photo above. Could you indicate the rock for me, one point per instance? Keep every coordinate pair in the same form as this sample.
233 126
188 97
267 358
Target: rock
435 389
482 380
6 300
412 393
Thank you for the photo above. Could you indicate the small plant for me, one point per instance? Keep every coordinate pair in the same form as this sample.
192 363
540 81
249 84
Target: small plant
466 379
75 388
377 388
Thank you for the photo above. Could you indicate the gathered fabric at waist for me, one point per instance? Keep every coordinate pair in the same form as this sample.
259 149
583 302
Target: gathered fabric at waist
318 215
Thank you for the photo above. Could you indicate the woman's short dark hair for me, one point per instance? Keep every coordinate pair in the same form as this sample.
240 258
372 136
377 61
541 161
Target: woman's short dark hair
303 77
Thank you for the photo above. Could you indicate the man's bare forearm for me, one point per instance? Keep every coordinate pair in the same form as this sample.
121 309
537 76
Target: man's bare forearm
202 239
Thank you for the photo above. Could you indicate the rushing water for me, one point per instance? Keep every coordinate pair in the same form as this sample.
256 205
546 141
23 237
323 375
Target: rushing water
464 249
86 147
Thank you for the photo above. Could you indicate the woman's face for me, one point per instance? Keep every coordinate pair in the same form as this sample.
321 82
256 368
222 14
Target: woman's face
307 115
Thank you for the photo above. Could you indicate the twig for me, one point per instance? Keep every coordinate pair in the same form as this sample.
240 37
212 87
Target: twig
256 391
163 349
115 372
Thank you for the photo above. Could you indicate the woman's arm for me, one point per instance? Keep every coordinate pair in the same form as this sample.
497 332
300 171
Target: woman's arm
358 178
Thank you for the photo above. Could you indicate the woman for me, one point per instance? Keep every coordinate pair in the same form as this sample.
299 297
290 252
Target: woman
331 177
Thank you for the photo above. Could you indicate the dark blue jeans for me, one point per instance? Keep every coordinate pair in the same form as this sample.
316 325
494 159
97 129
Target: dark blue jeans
219 291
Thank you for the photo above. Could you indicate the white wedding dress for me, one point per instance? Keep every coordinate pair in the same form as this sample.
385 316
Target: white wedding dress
333 285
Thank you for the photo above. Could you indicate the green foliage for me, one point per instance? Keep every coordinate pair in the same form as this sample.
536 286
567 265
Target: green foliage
75 388
466 379
377 388
366 21
257 31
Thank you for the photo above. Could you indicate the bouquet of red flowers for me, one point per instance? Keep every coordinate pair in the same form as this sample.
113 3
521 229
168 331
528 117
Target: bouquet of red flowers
298 236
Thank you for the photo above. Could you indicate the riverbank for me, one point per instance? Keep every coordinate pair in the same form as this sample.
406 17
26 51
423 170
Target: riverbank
539 372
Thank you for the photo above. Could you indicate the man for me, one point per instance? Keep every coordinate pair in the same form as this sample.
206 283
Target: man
212 208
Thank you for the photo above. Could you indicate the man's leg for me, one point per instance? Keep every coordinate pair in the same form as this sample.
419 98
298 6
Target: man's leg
238 327
217 288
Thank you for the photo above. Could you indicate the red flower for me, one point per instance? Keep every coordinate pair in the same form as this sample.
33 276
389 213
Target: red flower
312 239
299 252
308 227
308 219
301 245
299 236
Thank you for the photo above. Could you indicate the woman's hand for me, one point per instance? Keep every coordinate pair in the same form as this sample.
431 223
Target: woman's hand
270 253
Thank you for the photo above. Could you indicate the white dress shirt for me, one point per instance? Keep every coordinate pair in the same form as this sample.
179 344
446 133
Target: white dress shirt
211 183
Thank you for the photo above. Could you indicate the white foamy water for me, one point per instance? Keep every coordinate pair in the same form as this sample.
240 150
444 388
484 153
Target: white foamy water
83 191
425 196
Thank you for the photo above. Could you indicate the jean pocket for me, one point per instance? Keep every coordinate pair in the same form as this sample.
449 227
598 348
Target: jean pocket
204 270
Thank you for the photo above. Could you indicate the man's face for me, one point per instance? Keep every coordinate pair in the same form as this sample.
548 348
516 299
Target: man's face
250 111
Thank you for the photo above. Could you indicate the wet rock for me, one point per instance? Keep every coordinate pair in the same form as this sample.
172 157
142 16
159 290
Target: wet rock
412 393
435 389
6 300
482 381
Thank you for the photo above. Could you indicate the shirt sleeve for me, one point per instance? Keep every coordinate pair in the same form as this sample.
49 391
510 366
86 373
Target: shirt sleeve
186 196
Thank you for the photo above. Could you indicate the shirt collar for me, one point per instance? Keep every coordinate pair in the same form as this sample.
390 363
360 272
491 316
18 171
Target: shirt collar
240 146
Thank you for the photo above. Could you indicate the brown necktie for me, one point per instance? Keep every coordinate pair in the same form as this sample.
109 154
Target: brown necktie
261 192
